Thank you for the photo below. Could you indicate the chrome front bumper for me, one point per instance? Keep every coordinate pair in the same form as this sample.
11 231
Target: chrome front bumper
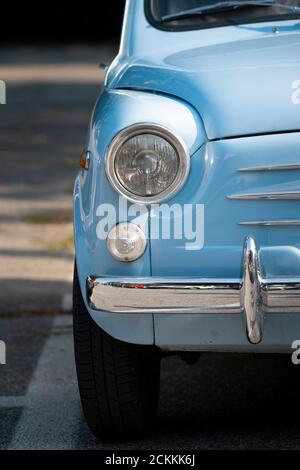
253 296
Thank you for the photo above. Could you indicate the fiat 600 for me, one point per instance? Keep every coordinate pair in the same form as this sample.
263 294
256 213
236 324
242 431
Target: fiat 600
186 206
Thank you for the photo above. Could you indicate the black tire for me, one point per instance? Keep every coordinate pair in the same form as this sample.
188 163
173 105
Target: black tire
118 381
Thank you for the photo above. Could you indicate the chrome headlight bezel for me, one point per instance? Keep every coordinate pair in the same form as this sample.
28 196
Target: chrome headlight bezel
148 128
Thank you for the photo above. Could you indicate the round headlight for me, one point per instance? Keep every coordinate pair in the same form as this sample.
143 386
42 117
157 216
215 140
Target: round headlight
147 163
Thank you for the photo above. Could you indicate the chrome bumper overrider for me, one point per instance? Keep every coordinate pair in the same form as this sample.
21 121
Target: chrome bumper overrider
253 296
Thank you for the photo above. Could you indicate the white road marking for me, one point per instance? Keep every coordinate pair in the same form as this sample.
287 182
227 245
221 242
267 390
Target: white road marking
52 412
12 402
66 303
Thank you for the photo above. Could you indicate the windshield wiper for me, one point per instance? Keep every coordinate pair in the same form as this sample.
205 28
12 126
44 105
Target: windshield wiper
226 6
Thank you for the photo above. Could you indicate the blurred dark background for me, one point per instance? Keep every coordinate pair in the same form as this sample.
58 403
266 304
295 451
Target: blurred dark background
49 59
62 22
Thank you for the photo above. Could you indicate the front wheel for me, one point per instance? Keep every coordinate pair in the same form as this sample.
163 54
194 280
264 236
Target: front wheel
118 382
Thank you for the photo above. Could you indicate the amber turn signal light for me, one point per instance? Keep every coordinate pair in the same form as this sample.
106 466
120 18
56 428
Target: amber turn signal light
84 161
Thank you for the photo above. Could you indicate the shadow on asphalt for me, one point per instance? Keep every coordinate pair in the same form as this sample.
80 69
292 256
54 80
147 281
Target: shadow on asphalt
20 296
231 401
49 123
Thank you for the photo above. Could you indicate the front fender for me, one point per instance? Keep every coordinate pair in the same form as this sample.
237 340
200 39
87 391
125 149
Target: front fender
116 110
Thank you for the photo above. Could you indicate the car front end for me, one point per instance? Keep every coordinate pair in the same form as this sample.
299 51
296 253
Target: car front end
186 210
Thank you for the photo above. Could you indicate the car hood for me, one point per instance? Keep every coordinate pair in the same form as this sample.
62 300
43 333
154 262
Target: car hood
239 88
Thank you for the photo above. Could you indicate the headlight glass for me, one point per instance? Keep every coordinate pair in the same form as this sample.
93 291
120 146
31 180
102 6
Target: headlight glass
147 163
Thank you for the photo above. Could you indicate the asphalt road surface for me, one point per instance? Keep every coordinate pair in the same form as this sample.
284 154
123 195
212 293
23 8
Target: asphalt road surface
43 125
222 402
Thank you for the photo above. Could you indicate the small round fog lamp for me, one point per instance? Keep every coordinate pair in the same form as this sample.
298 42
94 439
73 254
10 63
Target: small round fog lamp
126 242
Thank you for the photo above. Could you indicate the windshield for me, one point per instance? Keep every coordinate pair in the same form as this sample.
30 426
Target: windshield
193 14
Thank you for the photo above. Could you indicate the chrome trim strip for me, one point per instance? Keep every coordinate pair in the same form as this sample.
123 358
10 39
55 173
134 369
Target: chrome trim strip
269 168
252 293
161 131
288 195
253 296
282 294
271 223
163 295
183 295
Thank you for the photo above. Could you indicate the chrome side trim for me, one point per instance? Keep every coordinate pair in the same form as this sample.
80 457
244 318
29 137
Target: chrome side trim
252 293
288 195
270 168
271 223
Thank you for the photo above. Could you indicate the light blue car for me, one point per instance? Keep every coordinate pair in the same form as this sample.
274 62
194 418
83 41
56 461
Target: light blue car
186 208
